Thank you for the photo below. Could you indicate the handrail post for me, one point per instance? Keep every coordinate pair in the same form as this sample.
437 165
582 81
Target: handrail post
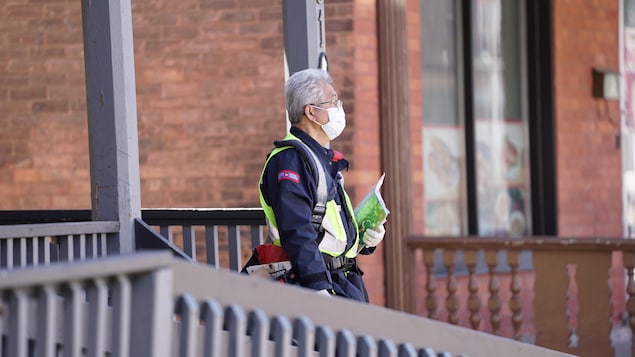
304 35
112 117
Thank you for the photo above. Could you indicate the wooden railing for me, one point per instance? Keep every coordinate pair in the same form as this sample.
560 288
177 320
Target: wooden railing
568 299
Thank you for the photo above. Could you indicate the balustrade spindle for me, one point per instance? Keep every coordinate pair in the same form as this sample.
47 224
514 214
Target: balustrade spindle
629 263
494 301
573 307
515 303
451 301
474 300
432 302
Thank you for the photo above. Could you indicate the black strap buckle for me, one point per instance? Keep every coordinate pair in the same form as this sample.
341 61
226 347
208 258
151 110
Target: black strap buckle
318 216
339 262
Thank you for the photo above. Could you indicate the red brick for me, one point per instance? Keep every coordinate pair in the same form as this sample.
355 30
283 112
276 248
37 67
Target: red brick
58 79
179 32
259 28
50 106
22 11
218 4
46 52
27 93
57 65
78 105
16 107
46 1
12 53
46 22
60 38
145 33
258 3
160 19
58 10
238 16
64 92
18 66
6 148
275 42
76 78
270 14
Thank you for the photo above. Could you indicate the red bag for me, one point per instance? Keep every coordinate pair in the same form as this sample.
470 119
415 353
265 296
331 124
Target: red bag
270 253
273 259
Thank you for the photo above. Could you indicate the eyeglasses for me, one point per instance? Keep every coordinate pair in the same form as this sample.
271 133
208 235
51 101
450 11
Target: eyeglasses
335 102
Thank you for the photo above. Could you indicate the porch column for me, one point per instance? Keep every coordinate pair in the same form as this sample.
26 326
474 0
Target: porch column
112 116
396 151
304 35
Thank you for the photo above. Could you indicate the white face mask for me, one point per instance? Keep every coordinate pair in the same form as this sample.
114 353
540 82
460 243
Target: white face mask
336 124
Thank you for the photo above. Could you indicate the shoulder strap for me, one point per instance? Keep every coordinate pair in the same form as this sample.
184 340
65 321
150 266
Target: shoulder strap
318 170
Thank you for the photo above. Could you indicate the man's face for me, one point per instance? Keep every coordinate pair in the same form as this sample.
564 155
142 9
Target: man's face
328 100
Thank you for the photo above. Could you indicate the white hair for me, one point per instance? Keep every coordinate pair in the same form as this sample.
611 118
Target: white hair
302 88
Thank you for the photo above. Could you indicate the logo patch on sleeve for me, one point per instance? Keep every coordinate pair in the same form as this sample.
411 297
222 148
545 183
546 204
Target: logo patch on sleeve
288 175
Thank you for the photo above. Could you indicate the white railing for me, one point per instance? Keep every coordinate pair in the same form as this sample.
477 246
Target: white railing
25 245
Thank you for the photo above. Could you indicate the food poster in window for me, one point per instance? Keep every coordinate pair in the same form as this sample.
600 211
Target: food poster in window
443 182
502 180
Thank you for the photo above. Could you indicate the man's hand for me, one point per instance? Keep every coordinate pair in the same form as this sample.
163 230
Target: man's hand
373 237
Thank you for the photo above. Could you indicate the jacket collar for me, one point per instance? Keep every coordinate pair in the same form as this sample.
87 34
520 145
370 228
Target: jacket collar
329 155
312 143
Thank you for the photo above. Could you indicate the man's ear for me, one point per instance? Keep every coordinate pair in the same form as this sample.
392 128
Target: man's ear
308 111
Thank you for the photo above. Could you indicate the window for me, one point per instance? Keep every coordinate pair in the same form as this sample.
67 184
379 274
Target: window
475 122
443 121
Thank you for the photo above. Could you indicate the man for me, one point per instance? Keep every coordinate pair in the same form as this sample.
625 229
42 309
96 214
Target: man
322 244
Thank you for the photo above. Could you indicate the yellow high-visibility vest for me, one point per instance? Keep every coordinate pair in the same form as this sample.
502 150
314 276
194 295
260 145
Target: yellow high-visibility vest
334 240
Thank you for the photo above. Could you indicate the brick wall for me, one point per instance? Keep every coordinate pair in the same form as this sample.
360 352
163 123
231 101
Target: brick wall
209 78
43 134
588 162
589 166
210 102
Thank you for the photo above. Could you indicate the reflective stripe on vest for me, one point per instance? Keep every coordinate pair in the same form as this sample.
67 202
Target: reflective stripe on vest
334 241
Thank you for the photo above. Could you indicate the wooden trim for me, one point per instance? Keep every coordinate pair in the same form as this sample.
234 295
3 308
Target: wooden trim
395 152
536 243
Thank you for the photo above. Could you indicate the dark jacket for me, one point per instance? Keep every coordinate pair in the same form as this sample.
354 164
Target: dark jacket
293 200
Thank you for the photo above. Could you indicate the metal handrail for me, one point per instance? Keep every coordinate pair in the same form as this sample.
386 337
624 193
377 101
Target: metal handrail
152 216
203 216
